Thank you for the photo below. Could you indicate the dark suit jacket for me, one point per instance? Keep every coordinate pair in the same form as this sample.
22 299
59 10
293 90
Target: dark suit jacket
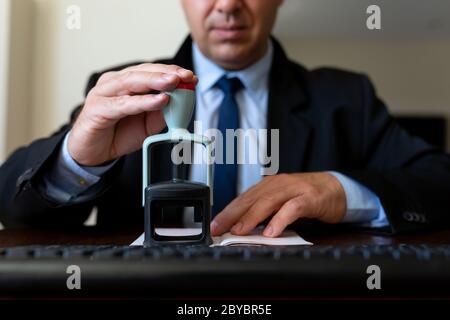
328 120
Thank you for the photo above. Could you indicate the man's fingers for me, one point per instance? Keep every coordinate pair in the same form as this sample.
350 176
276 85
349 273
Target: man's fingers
233 212
133 82
120 107
291 211
230 215
106 77
226 219
184 74
264 207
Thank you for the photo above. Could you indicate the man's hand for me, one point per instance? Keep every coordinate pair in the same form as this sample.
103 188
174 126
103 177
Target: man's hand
288 197
119 112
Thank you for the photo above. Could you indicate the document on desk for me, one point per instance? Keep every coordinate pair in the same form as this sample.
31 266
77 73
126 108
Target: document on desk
287 238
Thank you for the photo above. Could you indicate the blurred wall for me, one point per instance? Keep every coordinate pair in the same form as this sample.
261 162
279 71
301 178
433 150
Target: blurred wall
48 66
112 32
20 83
412 77
51 64
4 59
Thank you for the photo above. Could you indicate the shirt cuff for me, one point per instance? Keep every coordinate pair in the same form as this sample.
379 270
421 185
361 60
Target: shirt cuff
363 206
67 179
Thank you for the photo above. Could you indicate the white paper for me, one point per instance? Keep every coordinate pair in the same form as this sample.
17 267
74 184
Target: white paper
287 238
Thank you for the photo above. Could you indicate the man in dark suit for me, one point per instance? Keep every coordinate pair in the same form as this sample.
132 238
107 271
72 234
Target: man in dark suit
342 158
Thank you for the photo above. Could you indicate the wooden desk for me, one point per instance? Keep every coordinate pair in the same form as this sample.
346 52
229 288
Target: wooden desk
94 236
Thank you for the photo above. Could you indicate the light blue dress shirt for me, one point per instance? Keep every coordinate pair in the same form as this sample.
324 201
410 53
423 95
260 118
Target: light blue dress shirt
67 179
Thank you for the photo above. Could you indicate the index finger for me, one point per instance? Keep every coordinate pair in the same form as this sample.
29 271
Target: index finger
184 74
242 204
233 212
133 82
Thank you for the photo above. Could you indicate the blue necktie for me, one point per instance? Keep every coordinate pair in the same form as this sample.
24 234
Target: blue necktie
225 175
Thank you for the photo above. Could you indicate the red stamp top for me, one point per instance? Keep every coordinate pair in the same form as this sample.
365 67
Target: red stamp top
187 86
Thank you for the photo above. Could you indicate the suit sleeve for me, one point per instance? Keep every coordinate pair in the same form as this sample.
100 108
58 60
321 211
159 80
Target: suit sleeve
411 178
22 202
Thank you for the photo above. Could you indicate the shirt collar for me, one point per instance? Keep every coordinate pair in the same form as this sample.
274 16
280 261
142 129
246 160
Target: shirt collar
254 78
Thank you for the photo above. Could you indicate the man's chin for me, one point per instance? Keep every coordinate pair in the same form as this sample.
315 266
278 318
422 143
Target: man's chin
233 56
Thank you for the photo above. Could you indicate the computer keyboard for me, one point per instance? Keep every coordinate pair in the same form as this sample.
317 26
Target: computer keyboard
170 271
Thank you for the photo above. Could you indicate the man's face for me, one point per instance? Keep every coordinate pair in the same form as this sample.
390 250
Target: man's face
232 33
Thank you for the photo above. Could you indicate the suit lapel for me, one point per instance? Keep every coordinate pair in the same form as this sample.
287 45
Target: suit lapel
286 112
